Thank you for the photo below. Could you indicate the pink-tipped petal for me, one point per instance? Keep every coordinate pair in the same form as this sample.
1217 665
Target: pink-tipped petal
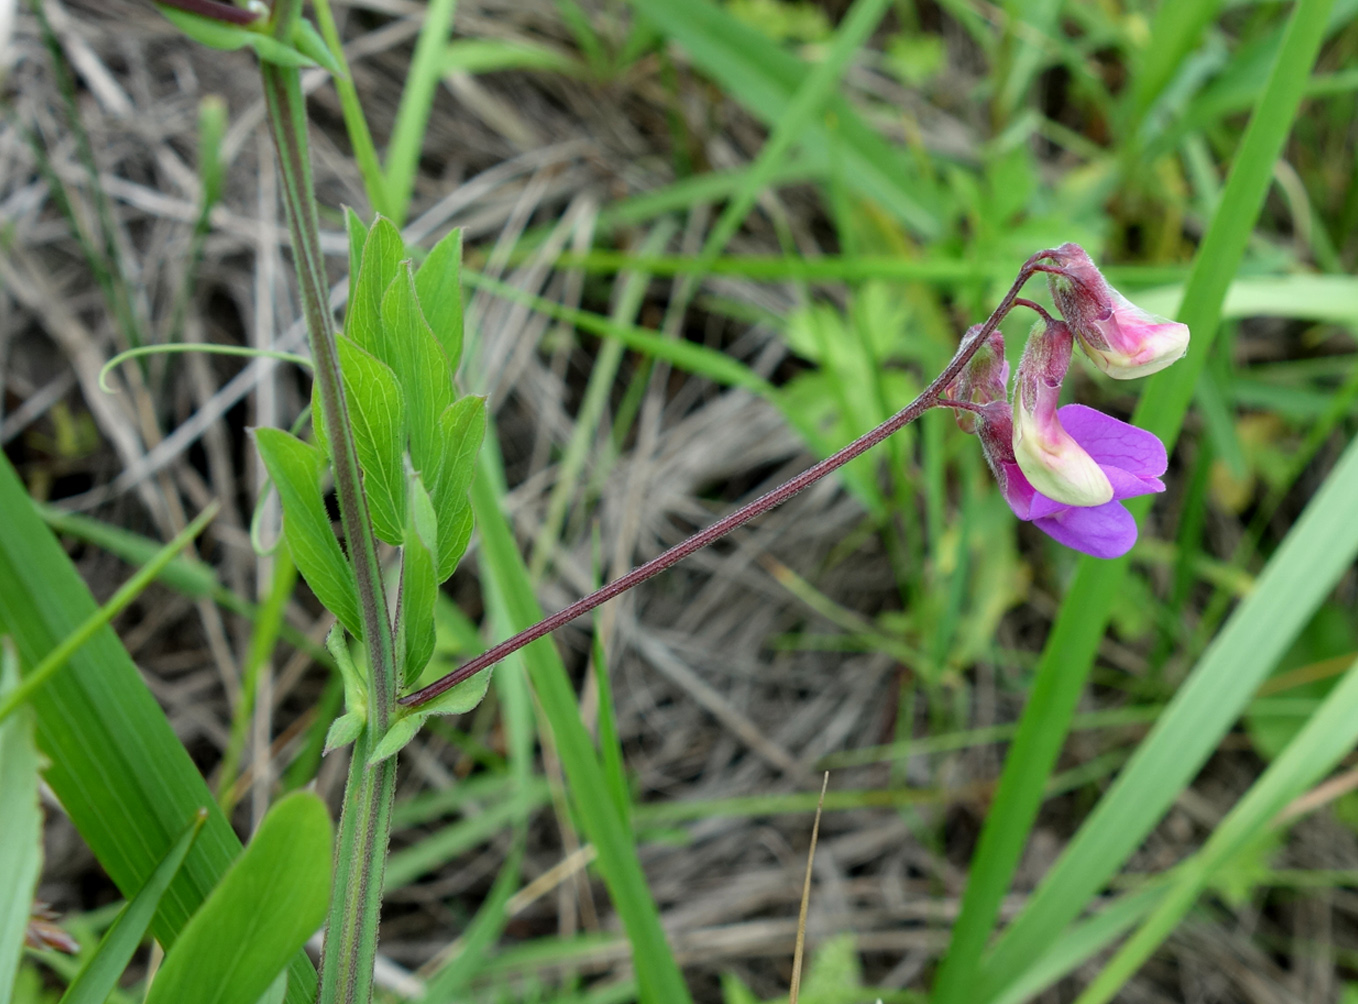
1105 531
1113 442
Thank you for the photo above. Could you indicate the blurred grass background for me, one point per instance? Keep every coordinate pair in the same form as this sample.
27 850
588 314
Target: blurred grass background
707 243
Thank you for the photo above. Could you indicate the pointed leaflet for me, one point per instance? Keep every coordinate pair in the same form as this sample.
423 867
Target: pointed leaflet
264 909
462 426
358 236
99 976
419 589
382 253
439 285
346 728
377 415
296 470
20 824
457 701
409 347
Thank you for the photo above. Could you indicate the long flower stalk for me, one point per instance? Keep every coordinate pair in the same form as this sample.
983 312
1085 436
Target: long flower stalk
930 397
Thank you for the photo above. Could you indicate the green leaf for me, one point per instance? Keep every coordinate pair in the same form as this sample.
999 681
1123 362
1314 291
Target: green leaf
409 347
439 285
98 978
358 236
307 40
344 730
382 254
264 909
20 824
401 732
460 699
462 428
355 681
296 470
377 415
230 37
419 588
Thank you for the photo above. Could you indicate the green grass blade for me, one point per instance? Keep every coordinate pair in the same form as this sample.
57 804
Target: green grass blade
407 135
261 913
1314 555
764 77
99 976
808 99
1327 736
52 663
1070 649
659 976
20 826
1082 942
122 776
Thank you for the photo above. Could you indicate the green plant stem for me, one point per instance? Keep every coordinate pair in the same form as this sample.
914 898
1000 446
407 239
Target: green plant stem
365 825
360 863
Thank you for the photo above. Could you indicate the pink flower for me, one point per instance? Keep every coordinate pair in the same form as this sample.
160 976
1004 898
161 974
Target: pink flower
1049 457
1119 337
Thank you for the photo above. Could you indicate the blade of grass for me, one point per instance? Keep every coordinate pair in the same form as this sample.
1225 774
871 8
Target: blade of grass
1327 737
122 776
657 972
100 974
355 123
127 592
1313 556
765 78
412 115
1070 649
20 826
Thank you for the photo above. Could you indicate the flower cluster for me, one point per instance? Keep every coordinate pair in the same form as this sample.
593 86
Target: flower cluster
1068 469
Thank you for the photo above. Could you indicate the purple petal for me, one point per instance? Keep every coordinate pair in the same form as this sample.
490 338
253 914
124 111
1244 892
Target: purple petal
1103 531
1113 442
1129 486
1017 491
1042 506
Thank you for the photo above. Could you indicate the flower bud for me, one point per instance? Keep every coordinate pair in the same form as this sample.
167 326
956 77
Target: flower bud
1052 461
1119 337
983 380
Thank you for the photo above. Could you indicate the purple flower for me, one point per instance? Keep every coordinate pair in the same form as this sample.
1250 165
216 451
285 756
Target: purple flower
1131 458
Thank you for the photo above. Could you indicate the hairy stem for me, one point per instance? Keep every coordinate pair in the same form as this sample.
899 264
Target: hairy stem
930 397
365 826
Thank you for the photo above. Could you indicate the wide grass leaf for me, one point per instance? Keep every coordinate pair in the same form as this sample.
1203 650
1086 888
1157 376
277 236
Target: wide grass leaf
268 904
121 775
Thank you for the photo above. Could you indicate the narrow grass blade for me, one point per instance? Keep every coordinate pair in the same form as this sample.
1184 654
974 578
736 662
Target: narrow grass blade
1314 555
20 826
263 911
122 776
98 978
1080 943
129 591
1327 736
657 972
764 77
1070 649
407 135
